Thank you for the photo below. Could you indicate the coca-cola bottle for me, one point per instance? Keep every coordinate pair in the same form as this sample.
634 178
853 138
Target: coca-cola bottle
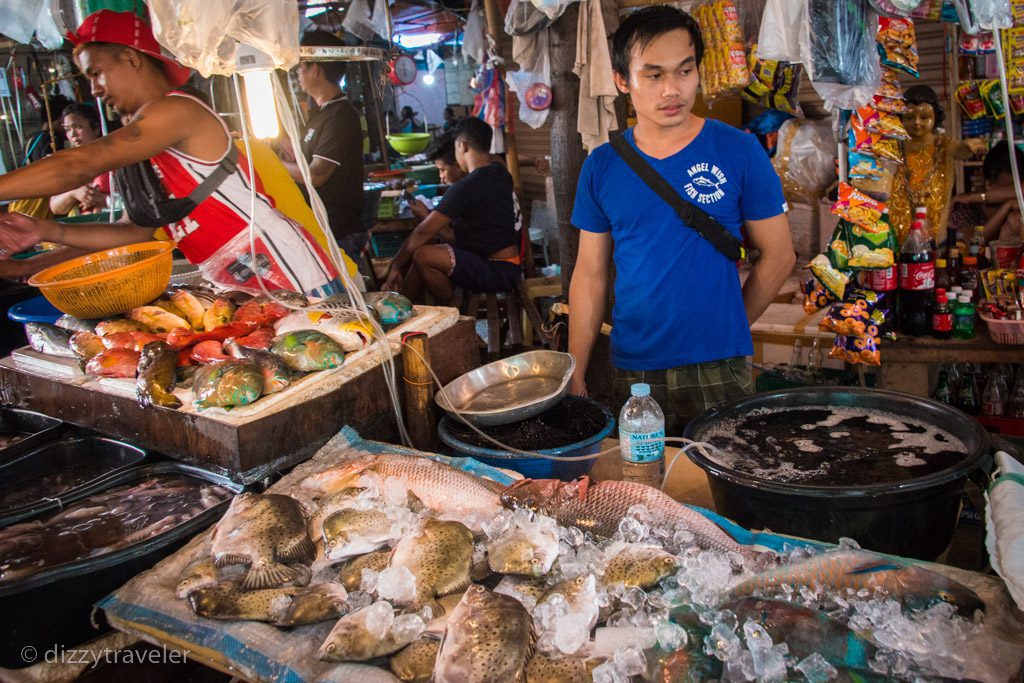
917 278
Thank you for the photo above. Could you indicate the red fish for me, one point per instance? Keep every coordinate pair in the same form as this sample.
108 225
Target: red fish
260 311
260 338
114 363
130 340
179 339
185 357
209 351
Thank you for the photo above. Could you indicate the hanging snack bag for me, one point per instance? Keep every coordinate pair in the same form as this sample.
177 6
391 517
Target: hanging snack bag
969 98
839 247
816 297
853 350
831 278
872 175
897 45
864 141
870 249
889 86
882 123
893 105
1017 103
992 94
859 208
858 315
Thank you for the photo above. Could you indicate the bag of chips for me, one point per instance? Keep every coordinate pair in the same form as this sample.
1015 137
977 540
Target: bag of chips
854 350
862 140
816 297
859 208
897 44
882 123
969 98
872 175
838 247
893 105
870 249
992 93
890 85
831 278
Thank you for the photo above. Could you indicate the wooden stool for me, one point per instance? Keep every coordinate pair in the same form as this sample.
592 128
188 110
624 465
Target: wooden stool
513 307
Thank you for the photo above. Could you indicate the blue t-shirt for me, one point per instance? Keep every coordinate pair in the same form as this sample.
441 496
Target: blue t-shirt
677 299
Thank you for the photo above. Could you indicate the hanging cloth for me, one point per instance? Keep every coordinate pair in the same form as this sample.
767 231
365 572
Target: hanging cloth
594 68
474 41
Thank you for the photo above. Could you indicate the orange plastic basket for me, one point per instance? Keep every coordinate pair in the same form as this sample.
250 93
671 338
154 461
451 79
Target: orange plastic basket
107 282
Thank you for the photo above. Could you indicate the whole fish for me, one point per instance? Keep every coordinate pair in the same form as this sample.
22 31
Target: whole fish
351 573
113 363
392 308
548 667
49 339
328 505
599 507
804 630
202 293
526 590
208 352
353 333
308 350
218 313
299 320
155 383
489 637
157 319
415 662
105 327
86 344
530 550
169 306
261 311
228 383
362 635
181 338
262 531
275 373
351 532
191 308
260 338
228 600
580 593
445 490
322 602
857 569
73 324
130 340
642 566
199 573
439 556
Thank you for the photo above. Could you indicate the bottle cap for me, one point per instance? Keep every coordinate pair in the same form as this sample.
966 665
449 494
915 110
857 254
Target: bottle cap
920 211
964 299
940 263
970 260
940 291
941 299
957 289
954 252
640 389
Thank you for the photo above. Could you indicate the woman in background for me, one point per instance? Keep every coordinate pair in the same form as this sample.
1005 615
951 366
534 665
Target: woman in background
81 125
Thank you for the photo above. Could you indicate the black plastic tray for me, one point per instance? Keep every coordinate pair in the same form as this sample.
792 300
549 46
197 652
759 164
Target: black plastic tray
41 428
54 607
107 456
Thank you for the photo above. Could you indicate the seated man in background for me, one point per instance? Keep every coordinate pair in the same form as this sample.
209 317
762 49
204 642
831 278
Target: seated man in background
996 207
483 212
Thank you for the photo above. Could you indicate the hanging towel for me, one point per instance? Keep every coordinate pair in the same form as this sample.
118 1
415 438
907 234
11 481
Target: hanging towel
474 41
594 68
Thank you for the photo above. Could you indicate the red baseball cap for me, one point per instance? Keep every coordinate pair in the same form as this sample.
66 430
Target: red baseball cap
127 28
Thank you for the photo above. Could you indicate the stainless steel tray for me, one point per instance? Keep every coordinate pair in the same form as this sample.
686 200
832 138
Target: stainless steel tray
510 389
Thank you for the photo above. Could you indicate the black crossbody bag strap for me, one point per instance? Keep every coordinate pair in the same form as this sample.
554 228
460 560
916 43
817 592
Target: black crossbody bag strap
228 165
692 216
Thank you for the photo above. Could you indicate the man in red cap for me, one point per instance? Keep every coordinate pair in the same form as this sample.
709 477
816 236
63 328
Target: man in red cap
177 167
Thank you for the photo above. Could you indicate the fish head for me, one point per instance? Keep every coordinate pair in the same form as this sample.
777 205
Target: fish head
966 601
339 477
531 494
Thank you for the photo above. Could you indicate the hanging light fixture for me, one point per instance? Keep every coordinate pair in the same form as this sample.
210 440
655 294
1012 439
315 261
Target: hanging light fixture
257 69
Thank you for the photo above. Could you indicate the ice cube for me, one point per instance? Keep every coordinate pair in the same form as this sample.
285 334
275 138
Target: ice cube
522 517
640 513
727 617
570 535
682 538
497 525
848 544
378 618
757 638
671 636
816 669
769 664
632 530
369 579
396 584
722 643
358 600
633 597
608 673
395 492
630 661
610 639
740 668
572 631
407 628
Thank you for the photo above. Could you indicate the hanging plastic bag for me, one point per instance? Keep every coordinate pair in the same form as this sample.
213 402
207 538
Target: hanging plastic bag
1004 525
842 59
532 82
367 19
204 34
782 24
522 17
19 19
552 8
805 161
474 41
992 14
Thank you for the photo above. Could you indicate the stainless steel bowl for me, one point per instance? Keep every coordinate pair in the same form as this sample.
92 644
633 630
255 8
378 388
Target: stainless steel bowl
510 389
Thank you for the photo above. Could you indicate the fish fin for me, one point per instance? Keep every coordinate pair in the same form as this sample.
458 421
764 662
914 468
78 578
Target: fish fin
872 566
460 584
267 574
413 502
582 484
301 551
229 558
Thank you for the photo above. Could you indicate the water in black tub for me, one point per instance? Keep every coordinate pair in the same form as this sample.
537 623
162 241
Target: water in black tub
832 446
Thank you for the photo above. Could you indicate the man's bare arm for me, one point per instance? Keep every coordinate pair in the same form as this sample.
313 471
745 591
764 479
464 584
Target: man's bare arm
319 171
588 294
771 237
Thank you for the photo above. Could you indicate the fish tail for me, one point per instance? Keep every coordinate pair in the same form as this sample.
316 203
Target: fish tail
266 573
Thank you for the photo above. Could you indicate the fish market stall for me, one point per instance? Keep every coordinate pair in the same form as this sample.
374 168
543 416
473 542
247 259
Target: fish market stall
245 442
655 589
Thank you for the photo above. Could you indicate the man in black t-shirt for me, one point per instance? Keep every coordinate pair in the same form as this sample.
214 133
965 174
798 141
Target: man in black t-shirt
483 212
333 147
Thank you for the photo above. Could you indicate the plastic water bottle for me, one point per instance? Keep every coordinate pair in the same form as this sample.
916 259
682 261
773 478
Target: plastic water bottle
641 419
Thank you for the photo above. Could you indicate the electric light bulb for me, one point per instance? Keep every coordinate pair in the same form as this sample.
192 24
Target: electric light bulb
428 79
259 101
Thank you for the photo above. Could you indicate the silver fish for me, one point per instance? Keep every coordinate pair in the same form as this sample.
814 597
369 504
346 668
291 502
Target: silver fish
49 339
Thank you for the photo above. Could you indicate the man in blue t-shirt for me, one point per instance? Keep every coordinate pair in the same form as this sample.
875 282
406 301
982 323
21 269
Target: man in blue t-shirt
681 320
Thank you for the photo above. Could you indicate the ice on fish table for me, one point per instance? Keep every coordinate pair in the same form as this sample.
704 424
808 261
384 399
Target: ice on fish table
816 669
572 632
379 618
397 585
408 627
671 636
706 574
610 639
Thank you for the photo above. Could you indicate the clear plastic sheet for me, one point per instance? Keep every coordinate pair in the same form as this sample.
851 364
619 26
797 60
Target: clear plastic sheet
203 34
806 158
783 31
19 19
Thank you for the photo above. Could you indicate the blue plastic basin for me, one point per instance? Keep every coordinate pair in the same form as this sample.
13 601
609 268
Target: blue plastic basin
34 310
533 468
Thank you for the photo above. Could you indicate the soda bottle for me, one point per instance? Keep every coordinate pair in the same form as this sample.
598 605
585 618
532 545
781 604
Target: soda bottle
942 280
967 397
993 399
917 280
954 266
640 421
963 318
814 358
942 316
943 390
970 278
885 283
1015 407
976 247
794 373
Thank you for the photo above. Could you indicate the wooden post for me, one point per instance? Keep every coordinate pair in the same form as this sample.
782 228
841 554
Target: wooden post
495 29
374 112
419 392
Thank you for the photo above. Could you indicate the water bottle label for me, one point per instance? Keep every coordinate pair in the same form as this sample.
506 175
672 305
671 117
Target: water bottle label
917 276
640 448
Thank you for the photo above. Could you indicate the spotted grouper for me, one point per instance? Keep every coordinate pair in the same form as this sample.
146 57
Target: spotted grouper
439 556
263 531
489 637
598 507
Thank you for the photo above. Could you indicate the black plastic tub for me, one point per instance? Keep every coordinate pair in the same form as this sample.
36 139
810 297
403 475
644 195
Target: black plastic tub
60 472
54 608
914 517
36 428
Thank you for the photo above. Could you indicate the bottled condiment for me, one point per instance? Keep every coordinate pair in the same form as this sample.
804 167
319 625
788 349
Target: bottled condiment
641 425
942 316
976 248
954 266
963 318
970 278
950 240
941 276
917 280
